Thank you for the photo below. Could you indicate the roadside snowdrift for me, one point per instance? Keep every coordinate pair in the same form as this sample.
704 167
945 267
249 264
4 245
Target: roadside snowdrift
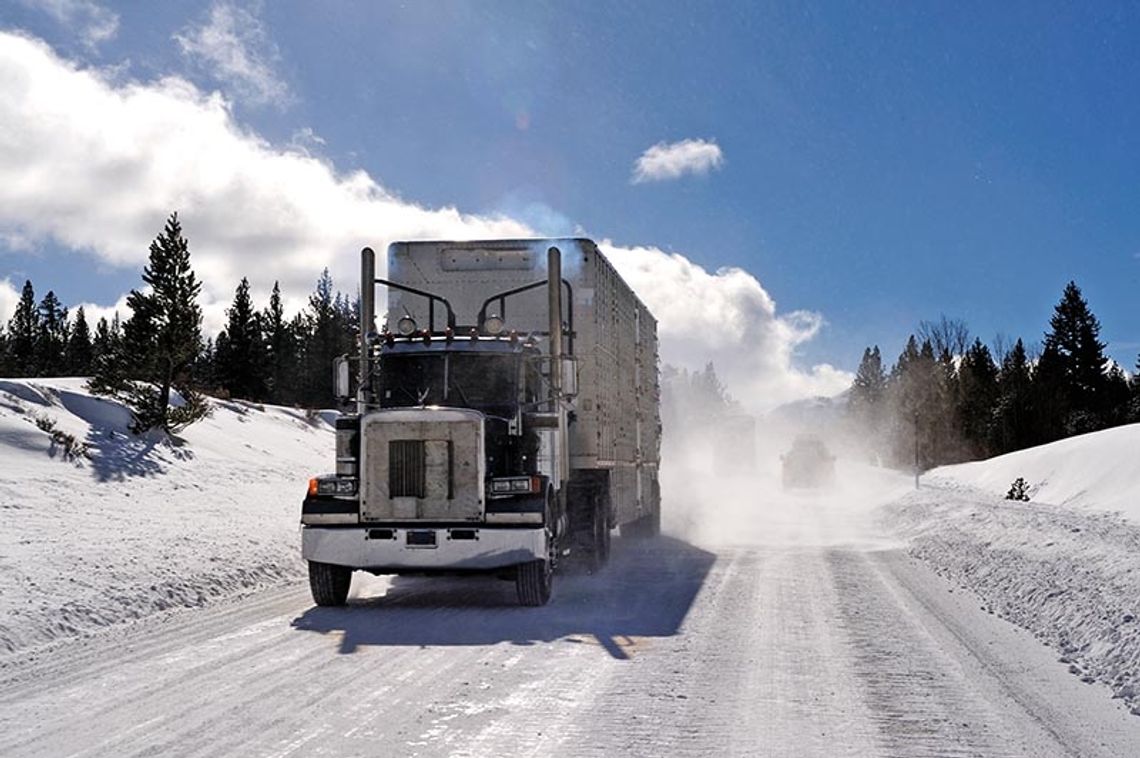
1099 471
1065 566
135 525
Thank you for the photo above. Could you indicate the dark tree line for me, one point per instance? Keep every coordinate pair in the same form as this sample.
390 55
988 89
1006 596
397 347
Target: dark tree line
263 356
44 340
159 362
949 399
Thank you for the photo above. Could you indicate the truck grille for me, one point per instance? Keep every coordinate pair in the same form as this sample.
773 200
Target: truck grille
406 468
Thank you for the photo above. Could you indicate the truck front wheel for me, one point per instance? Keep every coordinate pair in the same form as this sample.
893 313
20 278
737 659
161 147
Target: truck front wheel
533 582
328 583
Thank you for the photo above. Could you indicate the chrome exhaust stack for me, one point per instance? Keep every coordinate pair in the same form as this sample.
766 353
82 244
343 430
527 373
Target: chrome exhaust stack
554 288
367 323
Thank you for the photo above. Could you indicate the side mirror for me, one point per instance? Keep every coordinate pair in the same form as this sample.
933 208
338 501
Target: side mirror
342 379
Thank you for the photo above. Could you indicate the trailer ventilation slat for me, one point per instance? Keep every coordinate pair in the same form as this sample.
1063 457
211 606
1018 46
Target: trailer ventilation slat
406 468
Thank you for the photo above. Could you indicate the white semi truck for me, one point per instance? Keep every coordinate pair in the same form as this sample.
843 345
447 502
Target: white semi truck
506 419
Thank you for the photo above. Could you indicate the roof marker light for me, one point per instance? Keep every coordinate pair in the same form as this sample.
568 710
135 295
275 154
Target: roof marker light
406 326
493 325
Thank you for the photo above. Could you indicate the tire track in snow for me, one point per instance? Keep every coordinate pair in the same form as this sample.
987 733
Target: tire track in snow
925 697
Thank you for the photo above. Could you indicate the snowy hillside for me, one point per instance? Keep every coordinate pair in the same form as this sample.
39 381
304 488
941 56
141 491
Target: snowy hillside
1099 471
1065 565
131 525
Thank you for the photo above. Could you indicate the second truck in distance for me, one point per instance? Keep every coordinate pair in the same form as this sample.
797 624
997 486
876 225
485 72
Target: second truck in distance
506 419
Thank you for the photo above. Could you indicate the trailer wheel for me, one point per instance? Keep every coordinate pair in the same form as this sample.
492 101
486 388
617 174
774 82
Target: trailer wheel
328 583
599 553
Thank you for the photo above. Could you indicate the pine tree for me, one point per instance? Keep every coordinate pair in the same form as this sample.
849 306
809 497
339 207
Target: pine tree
325 340
108 374
5 369
919 403
51 338
1073 345
1117 394
1013 411
866 402
80 353
1051 397
205 367
240 358
977 395
281 349
163 337
107 342
1134 406
23 328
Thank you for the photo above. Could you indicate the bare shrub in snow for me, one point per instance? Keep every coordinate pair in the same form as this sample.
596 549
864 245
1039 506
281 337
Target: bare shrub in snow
45 423
73 449
1019 490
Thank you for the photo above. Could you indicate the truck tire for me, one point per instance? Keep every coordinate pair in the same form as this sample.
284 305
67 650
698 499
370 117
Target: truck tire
533 582
590 526
328 583
598 554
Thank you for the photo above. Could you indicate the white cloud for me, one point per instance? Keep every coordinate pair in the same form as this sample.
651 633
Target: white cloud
727 317
93 22
235 47
307 142
97 166
93 311
9 299
672 161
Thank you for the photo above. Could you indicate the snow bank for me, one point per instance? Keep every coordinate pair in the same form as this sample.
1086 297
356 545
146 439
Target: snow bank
1099 470
126 526
1066 570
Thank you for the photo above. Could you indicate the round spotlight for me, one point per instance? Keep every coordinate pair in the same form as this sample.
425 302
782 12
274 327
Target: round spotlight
493 325
406 326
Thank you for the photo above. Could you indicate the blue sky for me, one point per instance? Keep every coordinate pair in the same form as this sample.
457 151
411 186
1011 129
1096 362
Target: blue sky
882 163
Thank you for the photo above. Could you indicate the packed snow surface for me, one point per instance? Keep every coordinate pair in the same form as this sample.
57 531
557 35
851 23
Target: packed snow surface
136 525
1065 565
153 602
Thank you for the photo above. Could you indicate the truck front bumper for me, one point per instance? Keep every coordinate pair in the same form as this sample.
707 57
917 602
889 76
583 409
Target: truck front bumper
400 549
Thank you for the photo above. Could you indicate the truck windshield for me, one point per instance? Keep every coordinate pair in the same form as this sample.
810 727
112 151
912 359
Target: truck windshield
487 382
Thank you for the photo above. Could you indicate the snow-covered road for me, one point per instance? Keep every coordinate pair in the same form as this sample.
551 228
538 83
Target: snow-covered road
800 636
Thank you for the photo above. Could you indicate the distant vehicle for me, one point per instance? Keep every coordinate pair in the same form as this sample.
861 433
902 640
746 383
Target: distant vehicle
809 464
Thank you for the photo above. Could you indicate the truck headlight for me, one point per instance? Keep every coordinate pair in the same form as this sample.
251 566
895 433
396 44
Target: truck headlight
337 486
514 485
